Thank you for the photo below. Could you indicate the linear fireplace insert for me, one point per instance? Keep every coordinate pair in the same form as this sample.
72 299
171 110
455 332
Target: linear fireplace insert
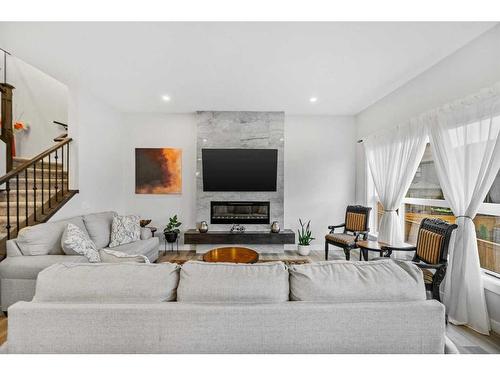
223 212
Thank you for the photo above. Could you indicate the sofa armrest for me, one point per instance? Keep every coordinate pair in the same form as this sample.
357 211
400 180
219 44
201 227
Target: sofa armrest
12 249
146 234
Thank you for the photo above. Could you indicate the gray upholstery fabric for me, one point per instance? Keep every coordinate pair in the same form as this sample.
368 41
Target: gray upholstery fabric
12 249
344 281
113 256
107 283
230 282
99 227
28 267
45 239
290 327
15 290
149 248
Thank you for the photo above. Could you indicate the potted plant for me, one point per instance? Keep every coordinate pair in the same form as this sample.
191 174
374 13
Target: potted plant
305 238
171 231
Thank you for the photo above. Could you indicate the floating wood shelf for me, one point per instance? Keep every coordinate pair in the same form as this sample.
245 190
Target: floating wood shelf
193 237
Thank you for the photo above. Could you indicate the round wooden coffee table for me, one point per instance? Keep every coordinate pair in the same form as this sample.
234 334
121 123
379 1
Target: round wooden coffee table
231 255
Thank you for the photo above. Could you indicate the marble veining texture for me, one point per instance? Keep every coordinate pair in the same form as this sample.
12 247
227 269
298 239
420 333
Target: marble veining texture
240 130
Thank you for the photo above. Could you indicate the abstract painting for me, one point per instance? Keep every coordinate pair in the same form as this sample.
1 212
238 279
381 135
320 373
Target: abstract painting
158 170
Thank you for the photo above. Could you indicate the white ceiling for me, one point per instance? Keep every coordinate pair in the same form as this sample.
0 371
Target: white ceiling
237 66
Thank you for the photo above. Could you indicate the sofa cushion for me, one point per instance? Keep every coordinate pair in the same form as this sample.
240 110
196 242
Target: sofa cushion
125 229
77 242
344 281
231 282
99 227
113 256
107 283
28 267
147 247
45 239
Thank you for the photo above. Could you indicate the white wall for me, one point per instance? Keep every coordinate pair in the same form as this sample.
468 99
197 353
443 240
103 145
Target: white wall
319 165
471 68
160 130
465 72
38 100
320 155
95 156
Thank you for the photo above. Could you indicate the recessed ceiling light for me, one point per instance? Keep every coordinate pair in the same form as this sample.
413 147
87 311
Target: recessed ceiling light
313 99
166 98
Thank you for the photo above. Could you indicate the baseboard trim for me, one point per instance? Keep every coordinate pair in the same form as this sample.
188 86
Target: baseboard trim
495 326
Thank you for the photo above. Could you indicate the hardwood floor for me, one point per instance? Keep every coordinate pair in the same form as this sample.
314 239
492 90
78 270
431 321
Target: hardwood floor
466 340
3 328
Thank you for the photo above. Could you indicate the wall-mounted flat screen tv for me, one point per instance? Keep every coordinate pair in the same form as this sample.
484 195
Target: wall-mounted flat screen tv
231 169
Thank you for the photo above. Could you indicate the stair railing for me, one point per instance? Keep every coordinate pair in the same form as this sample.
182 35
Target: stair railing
49 192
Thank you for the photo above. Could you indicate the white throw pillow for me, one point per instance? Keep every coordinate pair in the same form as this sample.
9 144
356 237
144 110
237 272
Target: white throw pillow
113 256
125 229
76 241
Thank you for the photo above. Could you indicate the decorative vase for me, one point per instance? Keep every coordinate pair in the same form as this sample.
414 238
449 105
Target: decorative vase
170 237
203 227
304 250
275 227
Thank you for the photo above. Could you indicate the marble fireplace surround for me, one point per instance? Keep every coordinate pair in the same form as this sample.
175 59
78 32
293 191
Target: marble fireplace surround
240 130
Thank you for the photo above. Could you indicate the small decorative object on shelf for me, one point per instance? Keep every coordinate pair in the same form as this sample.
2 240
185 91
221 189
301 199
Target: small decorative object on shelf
172 231
237 228
203 227
144 222
275 227
305 238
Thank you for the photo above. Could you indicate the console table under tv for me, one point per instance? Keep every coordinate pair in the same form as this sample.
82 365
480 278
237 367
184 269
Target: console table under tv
204 241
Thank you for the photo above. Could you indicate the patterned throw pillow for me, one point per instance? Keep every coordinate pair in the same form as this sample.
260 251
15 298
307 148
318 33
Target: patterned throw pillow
75 240
125 229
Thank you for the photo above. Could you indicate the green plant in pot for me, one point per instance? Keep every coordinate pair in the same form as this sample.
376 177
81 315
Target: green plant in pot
305 238
171 231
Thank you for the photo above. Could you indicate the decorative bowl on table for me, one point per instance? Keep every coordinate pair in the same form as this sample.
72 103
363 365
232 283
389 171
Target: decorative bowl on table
144 222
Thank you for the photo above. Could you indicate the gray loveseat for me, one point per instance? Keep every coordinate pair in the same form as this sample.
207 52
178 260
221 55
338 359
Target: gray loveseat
326 307
39 247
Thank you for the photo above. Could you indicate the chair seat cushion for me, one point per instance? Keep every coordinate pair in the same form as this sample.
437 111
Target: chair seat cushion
28 267
342 238
428 275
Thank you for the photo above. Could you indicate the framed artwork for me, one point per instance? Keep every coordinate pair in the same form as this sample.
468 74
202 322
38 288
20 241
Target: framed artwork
158 171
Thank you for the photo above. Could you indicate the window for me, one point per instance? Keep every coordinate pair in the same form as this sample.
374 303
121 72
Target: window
425 199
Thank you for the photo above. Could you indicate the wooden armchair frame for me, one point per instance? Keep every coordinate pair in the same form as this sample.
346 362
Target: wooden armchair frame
356 233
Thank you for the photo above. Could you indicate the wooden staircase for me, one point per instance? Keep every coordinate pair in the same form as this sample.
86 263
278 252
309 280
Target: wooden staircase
34 190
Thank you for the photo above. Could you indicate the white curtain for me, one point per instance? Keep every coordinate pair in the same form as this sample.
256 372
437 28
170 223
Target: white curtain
393 158
465 144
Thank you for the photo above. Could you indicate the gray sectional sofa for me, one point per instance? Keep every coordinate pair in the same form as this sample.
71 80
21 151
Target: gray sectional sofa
38 247
326 307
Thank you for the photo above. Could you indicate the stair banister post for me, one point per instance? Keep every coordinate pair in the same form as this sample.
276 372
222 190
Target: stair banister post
7 134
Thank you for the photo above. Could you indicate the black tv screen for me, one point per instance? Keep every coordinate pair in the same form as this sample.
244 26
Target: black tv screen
229 169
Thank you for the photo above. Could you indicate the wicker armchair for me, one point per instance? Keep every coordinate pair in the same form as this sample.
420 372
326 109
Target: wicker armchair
355 225
431 252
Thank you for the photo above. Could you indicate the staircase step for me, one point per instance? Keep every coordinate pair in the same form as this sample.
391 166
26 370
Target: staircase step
17 162
38 172
38 181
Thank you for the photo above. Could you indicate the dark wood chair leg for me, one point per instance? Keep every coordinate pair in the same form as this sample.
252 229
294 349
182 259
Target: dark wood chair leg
347 253
326 250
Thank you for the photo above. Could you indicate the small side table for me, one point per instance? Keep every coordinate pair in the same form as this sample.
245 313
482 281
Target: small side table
365 246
